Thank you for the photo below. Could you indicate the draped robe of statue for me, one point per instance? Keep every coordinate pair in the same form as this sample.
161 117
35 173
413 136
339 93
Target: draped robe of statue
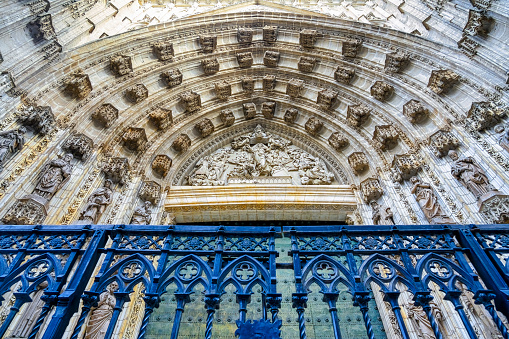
429 203
97 203
30 314
101 315
420 320
10 142
53 176
470 174
381 216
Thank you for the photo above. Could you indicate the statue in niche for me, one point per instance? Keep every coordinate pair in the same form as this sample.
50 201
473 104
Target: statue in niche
10 142
53 176
381 216
31 314
97 203
429 203
503 139
141 215
420 320
470 174
101 315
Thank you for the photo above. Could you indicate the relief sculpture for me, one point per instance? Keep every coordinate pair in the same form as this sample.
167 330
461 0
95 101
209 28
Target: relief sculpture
101 316
97 203
11 142
429 203
53 176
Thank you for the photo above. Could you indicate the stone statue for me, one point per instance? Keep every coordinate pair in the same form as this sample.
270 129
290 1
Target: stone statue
428 202
420 320
101 315
381 217
503 139
31 314
470 174
141 214
97 203
10 142
53 176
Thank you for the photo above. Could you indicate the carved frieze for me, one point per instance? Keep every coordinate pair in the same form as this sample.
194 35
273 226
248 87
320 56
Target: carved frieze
386 137
227 117
182 143
306 64
205 127
294 87
161 164
249 110
397 61
245 59
78 84
269 109
136 93
358 162
357 115
210 66
163 50
381 90
244 35
484 115
327 98
308 38
172 77
247 84
191 101
405 166
351 47
344 75
223 90
291 115
150 191
42 28
134 139
269 82
271 58
371 189
121 65
208 43
442 141
79 145
26 211
116 169
40 119
162 118
441 81
338 141
270 33
313 126
479 23
105 115
415 111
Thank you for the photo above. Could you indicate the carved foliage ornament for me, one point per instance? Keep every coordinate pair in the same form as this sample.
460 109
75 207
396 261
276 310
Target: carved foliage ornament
358 162
249 110
371 189
42 28
208 43
172 77
386 137
210 66
25 211
223 90
291 115
415 111
381 90
135 139
121 65
116 169
161 164
441 81
161 117
105 115
442 142
150 191
478 23
338 141
351 47
163 50
245 59
270 33
181 143
395 62
327 98
40 119
405 166
484 115
205 127
191 101
244 35
496 209
78 84
247 84
308 38
11 141
227 117
294 88
269 82
344 75
79 145
313 126
271 58
357 115
136 93
269 109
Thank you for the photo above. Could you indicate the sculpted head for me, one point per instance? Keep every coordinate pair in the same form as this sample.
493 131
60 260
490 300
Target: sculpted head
112 287
148 204
108 183
453 155
68 157
22 130
414 180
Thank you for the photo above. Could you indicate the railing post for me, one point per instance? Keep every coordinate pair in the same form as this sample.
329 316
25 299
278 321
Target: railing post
299 302
151 301
21 298
49 302
454 297
182 299
122 297
392 299
211 304
331 298
90 299
484 297
362 299
423 299
273 301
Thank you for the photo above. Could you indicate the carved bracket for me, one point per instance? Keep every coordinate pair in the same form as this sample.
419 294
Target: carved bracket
161 164
105 115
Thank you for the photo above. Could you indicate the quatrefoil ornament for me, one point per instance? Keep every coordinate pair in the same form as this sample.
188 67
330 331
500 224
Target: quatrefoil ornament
188 271
382 270
37 269
131 269
245 272
439 269
325 271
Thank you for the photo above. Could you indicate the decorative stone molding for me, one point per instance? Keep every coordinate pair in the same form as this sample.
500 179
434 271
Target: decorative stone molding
496 209
181 143
269 82
223 90
78 84
386 137
205 127
468 46
442 141
227 117
163 50
210 66
357 115
162 118
40 119
478 23
294 87
208 43
105 115
481 4
344 75
244 35
396 62
26 211
271 58
308 38
269 109
381 90
150 191
327 98
121 65
245 59
42 28
161 164
306 64
313 126
371 189
136 93
191 101
134 139
338 141
358 162
405 166
173 77
351 47
116 169
248 84
441 81
79 145
415 111
249 110
291 115
484 115
270 33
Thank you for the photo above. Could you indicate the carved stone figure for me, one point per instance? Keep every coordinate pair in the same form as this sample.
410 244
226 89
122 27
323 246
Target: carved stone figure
371 189
421 321
381 90
470 174
344 75
182 143
101 315
249 110
442 142
53 176
40 119
96 204
41 28
386 137
441 81
308 38
503 139
306 64
338 141
79 145
479 23
244 35
227 117
247 84
191 101
269 109
78 84
351 47
327 98
270 33
163 50
357 115
269 83
121 65
134 139
429 203
173 77
381 215
136 93
395 62
210 66
30 315
245 59
161 164
150 191
415 111
162 118
223 90
116 169
141 215
208 43
105 115
294 87
358 162
484 115
271 58
205 127
313 126
291 115
11 142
